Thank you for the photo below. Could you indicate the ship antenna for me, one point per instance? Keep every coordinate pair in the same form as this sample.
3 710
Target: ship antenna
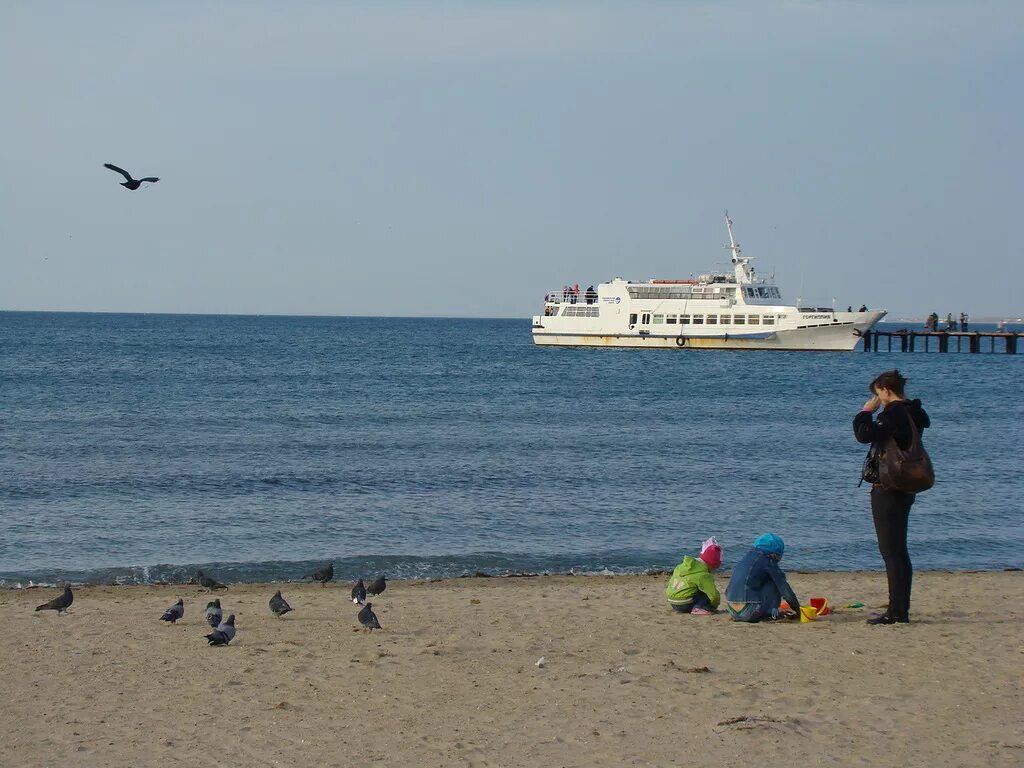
733 246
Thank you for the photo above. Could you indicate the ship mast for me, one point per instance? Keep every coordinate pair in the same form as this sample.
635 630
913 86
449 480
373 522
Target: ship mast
744 274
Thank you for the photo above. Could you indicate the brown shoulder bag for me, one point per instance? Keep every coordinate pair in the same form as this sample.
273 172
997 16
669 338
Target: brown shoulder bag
909 471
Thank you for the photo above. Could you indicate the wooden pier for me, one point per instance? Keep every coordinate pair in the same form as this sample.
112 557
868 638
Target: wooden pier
909 340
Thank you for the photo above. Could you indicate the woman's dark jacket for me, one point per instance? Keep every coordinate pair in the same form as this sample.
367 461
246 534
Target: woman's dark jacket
891 422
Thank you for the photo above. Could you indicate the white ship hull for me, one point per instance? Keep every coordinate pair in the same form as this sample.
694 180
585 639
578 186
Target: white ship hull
842 336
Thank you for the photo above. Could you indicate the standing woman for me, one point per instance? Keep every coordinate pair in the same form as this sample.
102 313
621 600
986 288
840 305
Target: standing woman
890 509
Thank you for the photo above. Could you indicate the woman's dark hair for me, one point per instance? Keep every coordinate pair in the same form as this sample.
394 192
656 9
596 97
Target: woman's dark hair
890 380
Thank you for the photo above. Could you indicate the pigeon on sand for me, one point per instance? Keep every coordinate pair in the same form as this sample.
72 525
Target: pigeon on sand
59 604
359 593
279 605
214 613
175 612
368 618
129 182
224 633
323 575
203 580
377 587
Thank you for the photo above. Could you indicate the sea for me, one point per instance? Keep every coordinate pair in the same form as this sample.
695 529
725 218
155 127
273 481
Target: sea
136 448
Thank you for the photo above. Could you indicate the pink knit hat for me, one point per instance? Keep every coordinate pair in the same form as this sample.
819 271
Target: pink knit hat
711 553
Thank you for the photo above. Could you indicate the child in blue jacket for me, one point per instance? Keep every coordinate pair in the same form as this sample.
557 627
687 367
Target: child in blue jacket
758 585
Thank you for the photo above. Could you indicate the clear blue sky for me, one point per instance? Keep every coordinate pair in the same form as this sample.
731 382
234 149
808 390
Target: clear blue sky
463 158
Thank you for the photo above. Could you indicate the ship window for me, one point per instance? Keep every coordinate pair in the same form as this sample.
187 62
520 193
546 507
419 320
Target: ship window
684 319
659 292
659 319
762 293
698 319
753 319
712 320
725 319
580 311
739 320
730 291
769 319
632 318
670 319
645 318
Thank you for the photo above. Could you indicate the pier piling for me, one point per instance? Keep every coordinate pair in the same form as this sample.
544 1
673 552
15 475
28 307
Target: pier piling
908 340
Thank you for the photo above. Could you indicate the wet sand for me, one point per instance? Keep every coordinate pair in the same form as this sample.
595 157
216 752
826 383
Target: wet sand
453 678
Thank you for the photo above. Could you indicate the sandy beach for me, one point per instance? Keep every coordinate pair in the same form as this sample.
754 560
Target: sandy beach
453 678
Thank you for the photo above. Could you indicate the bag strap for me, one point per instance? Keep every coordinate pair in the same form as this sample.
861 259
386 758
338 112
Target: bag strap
915 434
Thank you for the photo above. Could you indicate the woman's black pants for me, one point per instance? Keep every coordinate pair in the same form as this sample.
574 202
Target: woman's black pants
891 512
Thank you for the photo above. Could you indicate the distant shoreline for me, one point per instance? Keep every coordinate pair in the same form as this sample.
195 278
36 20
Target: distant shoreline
987 319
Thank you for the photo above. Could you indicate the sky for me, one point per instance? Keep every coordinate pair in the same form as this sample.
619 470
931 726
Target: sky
465 158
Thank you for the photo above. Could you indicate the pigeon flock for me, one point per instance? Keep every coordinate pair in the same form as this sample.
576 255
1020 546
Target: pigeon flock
223 630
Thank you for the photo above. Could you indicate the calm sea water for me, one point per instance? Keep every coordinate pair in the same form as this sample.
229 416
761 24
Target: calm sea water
136 447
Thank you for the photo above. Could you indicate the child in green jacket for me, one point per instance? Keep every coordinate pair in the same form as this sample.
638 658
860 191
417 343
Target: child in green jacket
691 587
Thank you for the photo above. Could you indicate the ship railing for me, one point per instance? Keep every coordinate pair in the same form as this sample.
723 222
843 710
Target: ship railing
570 297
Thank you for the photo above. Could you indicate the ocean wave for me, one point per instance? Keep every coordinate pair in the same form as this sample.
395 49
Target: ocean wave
345 569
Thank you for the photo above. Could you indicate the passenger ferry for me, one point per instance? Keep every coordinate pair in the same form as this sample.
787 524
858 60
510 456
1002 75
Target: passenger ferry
716 311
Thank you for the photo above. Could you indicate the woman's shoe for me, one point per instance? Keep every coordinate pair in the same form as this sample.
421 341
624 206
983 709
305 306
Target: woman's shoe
886 618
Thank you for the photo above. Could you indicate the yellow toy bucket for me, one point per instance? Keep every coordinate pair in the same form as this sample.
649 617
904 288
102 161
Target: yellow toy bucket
808 613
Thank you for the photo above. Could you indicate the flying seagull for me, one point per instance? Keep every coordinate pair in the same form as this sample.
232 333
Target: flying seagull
175 612
59 604
279 605
213 613
129 182
359 593
224 633
323 575
377 587
368 618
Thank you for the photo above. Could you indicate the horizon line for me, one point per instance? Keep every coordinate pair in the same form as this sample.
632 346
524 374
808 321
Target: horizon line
890 318
254 314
